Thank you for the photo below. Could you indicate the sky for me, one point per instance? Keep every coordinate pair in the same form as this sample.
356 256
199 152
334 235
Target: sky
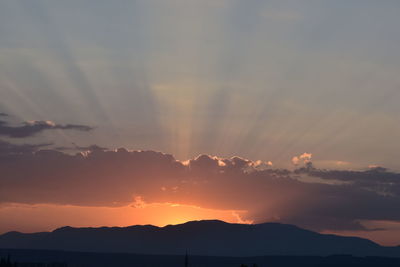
152 111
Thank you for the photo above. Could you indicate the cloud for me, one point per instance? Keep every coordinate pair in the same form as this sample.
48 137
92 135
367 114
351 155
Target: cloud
98 177
8 149
305 158
377 179
76 147
31 128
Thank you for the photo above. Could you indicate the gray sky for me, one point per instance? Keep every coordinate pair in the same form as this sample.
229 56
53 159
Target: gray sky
261 79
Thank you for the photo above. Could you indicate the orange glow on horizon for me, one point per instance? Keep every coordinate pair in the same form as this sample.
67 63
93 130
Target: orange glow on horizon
47 217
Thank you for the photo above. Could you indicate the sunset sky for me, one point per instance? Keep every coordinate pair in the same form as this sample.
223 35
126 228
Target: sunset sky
158 112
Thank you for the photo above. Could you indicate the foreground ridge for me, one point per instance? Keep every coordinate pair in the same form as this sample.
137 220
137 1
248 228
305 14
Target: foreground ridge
208 238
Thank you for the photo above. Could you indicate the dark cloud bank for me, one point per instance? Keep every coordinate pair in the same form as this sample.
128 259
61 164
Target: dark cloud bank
309 197
31 128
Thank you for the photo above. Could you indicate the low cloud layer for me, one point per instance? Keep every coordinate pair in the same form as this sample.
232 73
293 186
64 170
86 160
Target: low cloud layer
307 196
31 128
8 149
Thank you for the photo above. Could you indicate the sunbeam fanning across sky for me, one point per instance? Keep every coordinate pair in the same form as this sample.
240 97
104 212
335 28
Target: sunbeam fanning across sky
116 113
258 79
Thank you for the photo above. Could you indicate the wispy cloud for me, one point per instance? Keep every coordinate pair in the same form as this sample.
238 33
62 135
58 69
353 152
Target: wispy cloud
31 128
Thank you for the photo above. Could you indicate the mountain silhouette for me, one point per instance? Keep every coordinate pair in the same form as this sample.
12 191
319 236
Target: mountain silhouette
208 238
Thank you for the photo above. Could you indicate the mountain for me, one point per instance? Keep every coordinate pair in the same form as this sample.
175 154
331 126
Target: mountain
208 238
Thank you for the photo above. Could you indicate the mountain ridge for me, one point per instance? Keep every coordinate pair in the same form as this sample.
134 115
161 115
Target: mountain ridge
206 237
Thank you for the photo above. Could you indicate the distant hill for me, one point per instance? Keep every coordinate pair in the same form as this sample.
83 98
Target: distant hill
208 238
35 258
